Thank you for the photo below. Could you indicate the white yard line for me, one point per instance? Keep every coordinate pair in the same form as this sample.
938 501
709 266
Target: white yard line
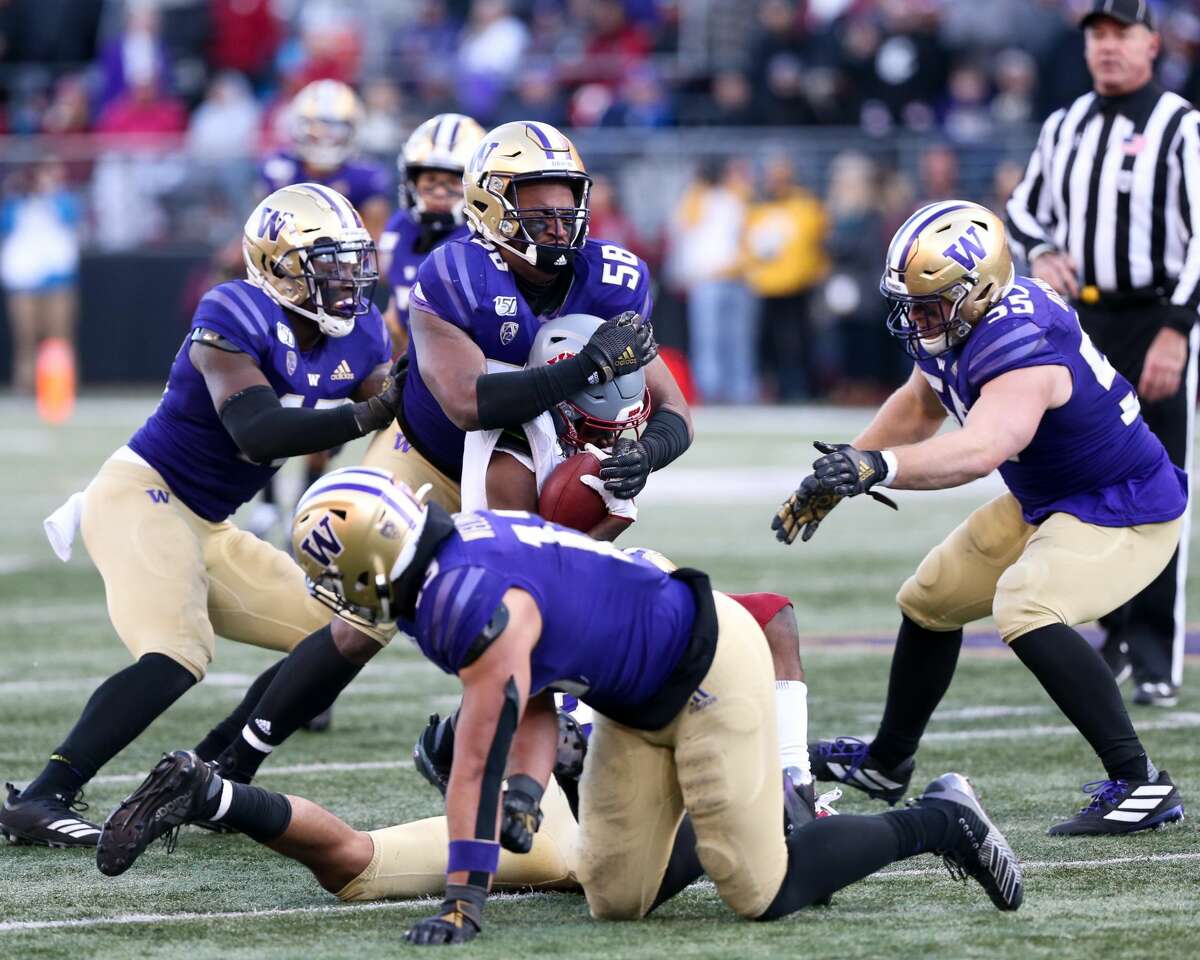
129 919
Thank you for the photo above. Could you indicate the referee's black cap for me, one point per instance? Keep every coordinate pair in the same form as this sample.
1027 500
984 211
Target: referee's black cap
1126 11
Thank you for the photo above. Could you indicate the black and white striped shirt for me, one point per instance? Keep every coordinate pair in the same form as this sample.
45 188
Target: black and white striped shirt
1115 182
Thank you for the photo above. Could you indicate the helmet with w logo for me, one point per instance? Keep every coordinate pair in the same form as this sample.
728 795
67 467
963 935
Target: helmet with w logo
947 266
355 531
306 247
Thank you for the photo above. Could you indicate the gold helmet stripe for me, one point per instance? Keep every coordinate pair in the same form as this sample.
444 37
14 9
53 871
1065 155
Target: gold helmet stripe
365 480
341 206
927 215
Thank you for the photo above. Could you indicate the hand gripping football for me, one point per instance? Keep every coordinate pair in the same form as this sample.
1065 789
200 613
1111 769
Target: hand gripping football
565 500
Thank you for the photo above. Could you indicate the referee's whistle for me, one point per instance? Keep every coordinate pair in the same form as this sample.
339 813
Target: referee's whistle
1090 294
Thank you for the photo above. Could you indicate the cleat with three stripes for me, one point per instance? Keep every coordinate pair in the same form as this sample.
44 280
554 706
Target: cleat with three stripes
848 760
46 821
1124 806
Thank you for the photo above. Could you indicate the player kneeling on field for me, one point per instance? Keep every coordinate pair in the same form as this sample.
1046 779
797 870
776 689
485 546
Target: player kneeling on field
679 677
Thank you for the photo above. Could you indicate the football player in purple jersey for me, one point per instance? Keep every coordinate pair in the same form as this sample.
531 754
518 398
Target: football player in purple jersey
292 359
1092 514
430 166
678 676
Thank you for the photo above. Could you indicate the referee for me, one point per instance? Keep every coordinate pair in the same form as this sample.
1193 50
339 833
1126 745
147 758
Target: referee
1108 213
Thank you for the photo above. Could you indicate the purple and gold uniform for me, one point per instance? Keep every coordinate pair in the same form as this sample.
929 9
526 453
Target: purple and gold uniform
405 245
466 283
1093 457
184 439
359 181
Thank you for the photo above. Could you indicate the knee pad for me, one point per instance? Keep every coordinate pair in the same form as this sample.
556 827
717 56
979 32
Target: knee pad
920 596
1017 607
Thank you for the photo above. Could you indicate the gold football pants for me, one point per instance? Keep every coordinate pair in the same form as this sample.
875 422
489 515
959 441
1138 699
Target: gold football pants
1061 571
390 450
410 858
717 760
173 580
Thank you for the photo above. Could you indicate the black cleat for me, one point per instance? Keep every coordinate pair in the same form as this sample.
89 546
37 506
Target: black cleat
433 753
981 852
46 821
320 723
175 791
1116 656
1124 806
799 801
1155 693
848 760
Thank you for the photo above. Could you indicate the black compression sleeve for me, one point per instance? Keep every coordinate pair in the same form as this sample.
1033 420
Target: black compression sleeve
264 430
665 438
511 399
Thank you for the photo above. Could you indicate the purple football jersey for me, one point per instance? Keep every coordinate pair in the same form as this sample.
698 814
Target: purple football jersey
614 625
356 180
466 283
1094 457
399 241
184 439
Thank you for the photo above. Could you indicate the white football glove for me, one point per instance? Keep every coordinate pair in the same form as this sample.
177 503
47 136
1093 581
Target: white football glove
616 507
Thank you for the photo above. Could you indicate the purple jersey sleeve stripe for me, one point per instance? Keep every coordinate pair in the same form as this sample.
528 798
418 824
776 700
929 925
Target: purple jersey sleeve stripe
443 272
437 616
1014 356
248 302
235 310
460 262
462 602
1024 331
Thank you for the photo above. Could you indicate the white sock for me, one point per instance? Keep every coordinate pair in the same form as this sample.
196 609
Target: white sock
791 715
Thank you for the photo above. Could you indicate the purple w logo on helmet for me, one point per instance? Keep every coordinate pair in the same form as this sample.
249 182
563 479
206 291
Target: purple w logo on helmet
272 222
967 250
322 547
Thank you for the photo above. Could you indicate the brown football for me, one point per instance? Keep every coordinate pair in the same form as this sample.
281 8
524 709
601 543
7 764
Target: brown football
564 498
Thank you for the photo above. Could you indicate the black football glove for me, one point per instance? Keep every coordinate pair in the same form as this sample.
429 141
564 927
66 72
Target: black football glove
646 345
379 411
847 471
803 511
522 816
625 472
458 920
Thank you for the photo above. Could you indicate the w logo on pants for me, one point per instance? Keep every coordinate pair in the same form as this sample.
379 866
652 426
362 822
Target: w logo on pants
158 496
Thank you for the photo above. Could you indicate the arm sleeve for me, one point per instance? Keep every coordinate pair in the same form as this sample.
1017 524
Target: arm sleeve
1187 288
455 611
265 430
1030 214
1009 345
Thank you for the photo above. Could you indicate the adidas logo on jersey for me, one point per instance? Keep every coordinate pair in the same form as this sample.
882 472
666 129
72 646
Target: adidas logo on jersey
342 372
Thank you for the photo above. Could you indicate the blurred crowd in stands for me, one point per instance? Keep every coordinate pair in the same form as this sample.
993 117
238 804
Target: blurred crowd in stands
143 122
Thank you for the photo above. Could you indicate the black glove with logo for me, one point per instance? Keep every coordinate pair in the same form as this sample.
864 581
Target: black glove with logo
625 472
646 345
803 511
379 411
522 815
847 471
459 919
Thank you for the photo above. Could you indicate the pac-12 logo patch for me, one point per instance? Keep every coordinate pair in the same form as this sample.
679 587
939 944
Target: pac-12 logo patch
505 306
508 332
286 337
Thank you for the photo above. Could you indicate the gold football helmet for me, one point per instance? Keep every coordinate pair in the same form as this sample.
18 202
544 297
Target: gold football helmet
954 257
517 153
306 247
323 119
355 531
445 142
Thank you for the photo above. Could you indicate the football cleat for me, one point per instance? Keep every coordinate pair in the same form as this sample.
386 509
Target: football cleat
799 801
981 852
1116 657
1124 806
825 802
432 755
848 760
46 821
1155 694
173 794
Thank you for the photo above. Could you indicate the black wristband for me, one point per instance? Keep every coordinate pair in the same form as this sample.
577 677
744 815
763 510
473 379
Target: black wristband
513 398
666 437
264 430
523 783
467 899
1179 318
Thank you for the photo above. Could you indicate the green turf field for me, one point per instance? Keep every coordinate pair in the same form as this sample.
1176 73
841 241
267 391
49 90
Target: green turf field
225 897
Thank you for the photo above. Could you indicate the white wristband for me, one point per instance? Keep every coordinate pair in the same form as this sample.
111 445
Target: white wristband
893 467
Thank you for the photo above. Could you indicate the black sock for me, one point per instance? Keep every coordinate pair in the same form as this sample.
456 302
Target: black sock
260 814
225 732
119 710
922 668
834 852
1079 681
309 679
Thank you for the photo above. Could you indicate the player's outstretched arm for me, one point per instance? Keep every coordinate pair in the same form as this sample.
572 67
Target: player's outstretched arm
1000 425
530 763
495 689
